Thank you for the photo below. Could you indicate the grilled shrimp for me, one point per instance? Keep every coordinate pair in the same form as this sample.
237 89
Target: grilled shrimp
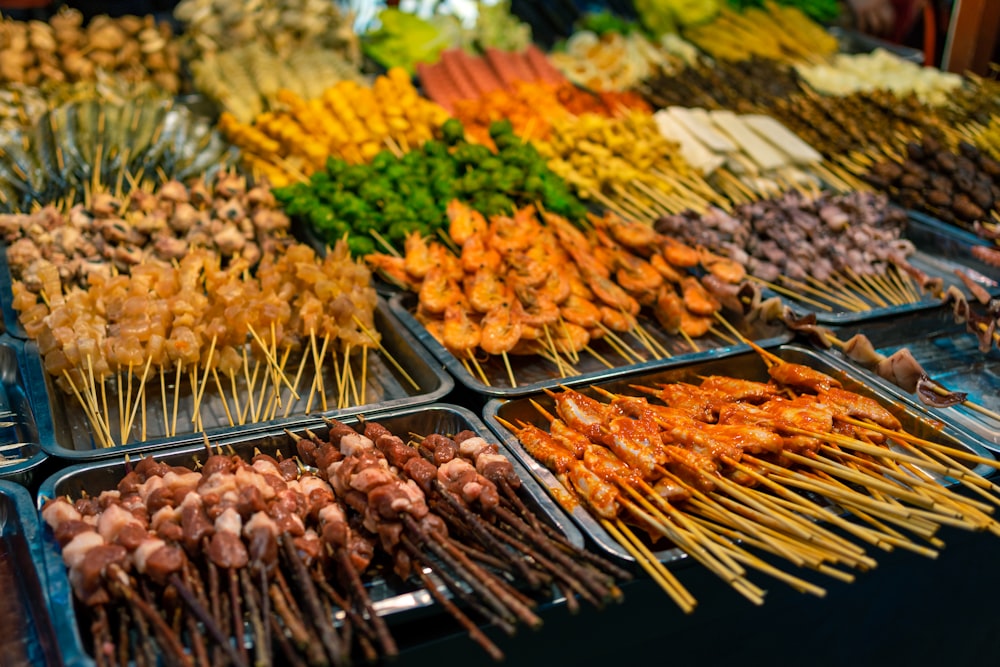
501 330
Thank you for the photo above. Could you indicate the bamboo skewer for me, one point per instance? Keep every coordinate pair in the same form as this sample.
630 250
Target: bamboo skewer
660 574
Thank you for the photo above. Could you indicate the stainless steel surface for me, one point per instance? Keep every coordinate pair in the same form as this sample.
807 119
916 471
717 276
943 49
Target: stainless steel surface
747 366
28 635
950 355
20 452
70 435
534 373
940 252
397 603
852 41
957 243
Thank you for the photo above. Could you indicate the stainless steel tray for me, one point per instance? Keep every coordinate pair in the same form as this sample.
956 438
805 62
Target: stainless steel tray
21 419
29 636
950 355
747 366
853 41
957 243
397 603
68 434
534 373
940 251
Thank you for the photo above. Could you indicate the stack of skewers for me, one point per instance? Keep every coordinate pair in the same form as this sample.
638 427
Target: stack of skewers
280 549
727 467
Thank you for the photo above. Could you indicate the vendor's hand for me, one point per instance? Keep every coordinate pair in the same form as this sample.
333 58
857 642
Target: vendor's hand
875 17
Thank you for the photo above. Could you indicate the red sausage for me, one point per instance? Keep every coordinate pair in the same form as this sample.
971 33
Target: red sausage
480 72
437 86
545 70
502 65
452 66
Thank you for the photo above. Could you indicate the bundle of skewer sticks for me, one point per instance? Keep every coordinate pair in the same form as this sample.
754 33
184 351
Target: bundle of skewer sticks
279 550
534 284
856 258
233 347
732 465
851 291
80 147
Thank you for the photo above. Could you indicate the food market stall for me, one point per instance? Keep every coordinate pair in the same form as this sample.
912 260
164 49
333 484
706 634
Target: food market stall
448 339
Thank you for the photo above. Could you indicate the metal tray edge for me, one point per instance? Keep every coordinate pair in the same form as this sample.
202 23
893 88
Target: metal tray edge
461 375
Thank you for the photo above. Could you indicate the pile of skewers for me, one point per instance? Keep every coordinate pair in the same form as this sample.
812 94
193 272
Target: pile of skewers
960 187
278 548
833 252
194 320
537 285
349 121
136 48
626 165
81 148
111 234
531 108
722 468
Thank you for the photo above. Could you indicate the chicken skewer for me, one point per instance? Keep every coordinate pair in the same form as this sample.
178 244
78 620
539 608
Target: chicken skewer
812 436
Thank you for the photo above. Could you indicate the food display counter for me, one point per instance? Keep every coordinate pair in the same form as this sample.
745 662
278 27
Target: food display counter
656 332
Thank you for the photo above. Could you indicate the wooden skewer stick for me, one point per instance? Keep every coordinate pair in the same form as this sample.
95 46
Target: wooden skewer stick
845 298
692 535
274 402
852 278
177 392
510 371
806 506
163 397
250 407
699 553
142 392
787 292
320 381
385 353
593 353
271 360
889 533
904 474
875 450
552 350
947 460
750 560
199 389
660 574
121 408
738 521
951 451
94 420
806 530
753 540
479 368
364 376
222 395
